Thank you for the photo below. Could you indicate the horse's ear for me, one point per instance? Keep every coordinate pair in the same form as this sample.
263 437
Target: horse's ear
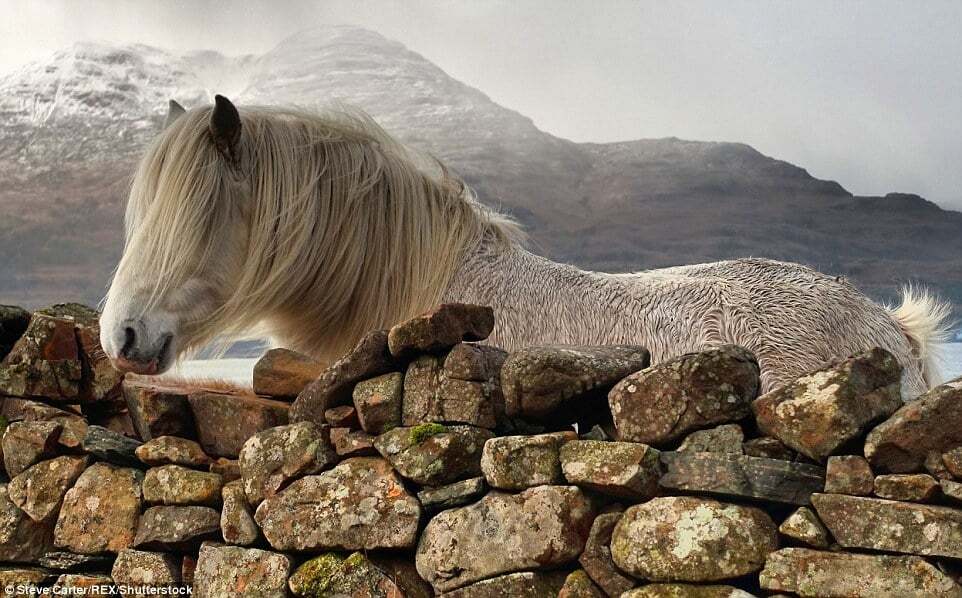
174 110
225 127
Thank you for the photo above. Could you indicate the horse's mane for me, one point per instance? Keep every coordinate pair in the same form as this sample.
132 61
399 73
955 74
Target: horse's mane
347 231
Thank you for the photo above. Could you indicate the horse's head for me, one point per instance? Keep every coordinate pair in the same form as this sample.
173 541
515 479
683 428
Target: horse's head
186 240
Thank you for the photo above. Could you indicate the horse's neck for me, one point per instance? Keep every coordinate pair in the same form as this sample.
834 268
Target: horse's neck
537 301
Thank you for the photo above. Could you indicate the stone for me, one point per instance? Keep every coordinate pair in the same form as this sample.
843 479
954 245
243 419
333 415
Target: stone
27 443
622 469
475 363
849 474
22 540
176 528
401 570
579 585
433 454
158 410
271 459
519 462
683 394
30 579
766 446
822 411
343 416
74 426
138 568
226 421
100 512
804 526
684 590
284 373
596 557
171 450
919 487
892 526
727 438
13 323
352 443
111 447
229 570
527 584
542 527
229 469
818 574
952 490
432 393
681 538
71 561
378 402
538 381
930 424
440 329
44 362
936 466
178 485
952 460
333 575
452 495
85 583
360 504
237 525
39 490
731 475
369 358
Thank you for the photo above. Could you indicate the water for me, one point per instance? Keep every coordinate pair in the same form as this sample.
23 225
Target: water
240 371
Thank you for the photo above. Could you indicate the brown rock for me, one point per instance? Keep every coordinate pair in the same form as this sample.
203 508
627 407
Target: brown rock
225 422
678 538
352 443
39 490
176 528
527 584
44 362
284 373
918 487
74 426
596 558
344 416
822 411
685 590
369 358
360 504
441 329
936 466
538 381
26 577
22 540
952 459
187 567
519 462
158 410
99 514
171 450
27 443
455 494
879 524
229 469
378 402
432 393
623 469
475 363
952 490
931 423
72 582
816 574
228 570
849 474
726 474
723 439
271 459
138 568
432 454
579 585
804 526
689 392
178 485
771 448
237 524
542 527
70 561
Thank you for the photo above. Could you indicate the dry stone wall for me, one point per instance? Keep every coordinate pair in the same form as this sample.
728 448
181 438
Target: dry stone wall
423 463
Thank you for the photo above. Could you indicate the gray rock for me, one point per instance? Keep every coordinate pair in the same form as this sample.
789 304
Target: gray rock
100 512
432 454
951 490
433 393
39 490
440 329
176 528
111 447
727 438
519 462
229 570
804 526
542 527
849 474
623 469
378 402
138 568
452 495
178 485
538 381
528 584
72 561
237 523
272 458
22 540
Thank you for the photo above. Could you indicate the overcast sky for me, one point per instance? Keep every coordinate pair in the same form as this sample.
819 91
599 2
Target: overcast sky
865 93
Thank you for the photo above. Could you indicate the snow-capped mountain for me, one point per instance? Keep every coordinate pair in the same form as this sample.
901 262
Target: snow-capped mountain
72 127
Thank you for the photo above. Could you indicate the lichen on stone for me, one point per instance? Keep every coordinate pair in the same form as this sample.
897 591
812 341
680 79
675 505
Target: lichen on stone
422 432
313 579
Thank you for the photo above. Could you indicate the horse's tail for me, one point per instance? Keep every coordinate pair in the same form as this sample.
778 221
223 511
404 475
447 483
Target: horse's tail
924 320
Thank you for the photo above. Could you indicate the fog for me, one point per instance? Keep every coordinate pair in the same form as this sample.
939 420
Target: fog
865 93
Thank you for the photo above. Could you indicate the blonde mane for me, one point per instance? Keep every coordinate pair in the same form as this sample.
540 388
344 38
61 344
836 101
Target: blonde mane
346 232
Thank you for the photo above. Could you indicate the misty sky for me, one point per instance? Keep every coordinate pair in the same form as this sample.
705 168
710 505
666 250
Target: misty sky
865 93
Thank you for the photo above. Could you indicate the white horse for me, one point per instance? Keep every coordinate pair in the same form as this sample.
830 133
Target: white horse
317 229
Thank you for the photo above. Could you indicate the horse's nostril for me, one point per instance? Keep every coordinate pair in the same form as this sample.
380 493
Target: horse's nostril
130 337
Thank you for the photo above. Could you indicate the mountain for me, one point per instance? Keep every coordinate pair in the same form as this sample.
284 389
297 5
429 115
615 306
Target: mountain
72 127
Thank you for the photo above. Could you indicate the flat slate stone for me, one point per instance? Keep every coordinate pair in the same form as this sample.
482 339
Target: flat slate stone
726 474
72 561
112 447
440 329
849 474
176 528
452 495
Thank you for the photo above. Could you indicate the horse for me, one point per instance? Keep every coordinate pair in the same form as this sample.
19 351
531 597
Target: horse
314 228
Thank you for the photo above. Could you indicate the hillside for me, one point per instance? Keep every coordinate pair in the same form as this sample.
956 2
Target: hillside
72 127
